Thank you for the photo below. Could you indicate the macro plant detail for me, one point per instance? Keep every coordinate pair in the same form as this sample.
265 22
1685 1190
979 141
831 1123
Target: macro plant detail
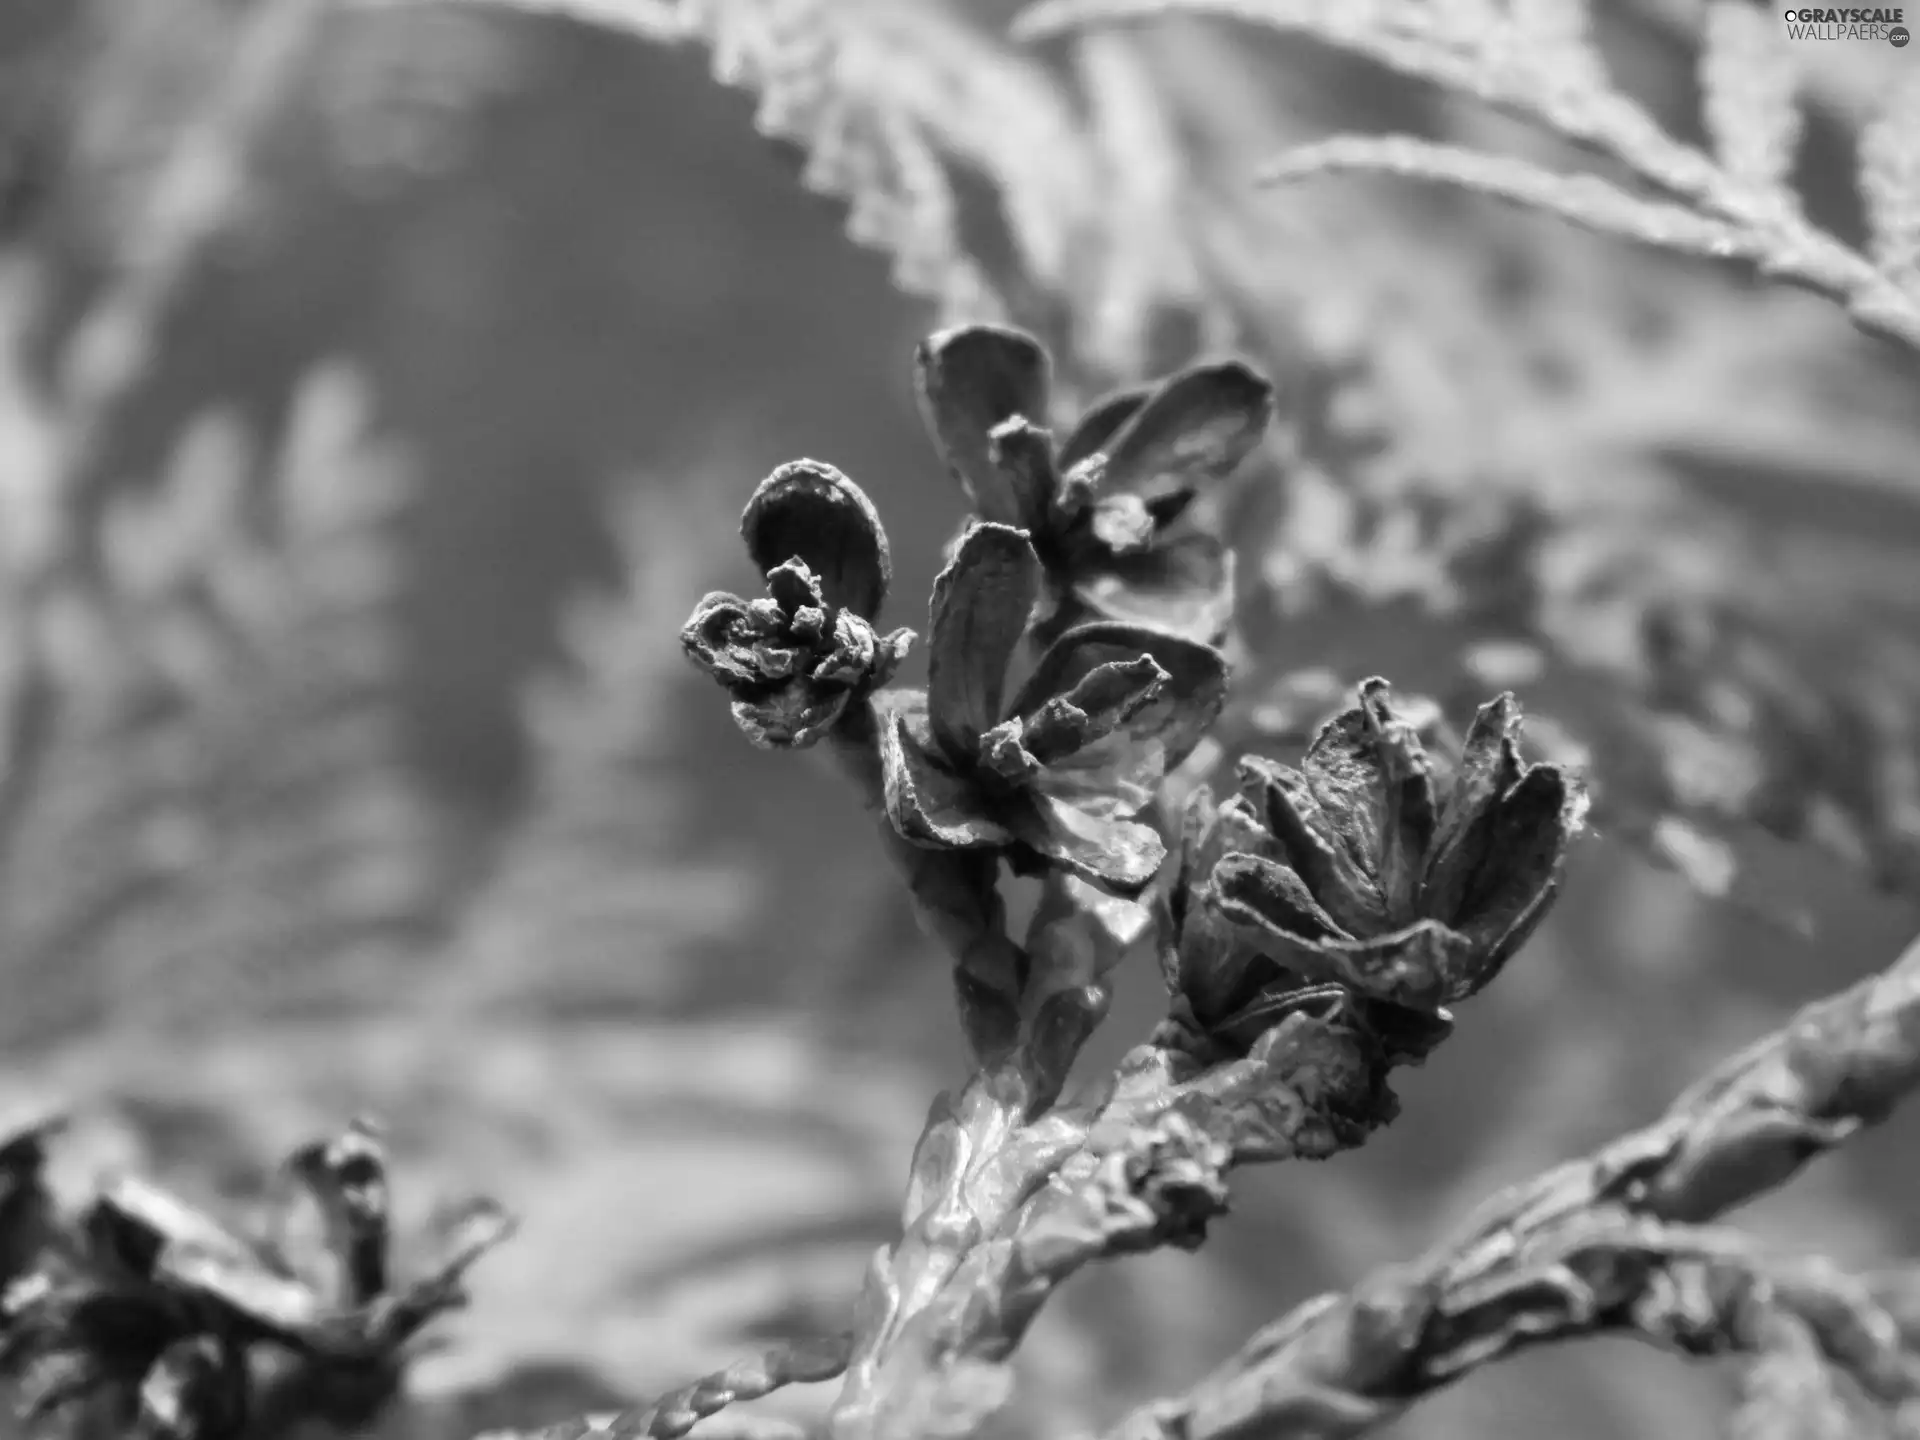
1312 929
1360 872
1054 773
1117 512
797 658
1013 1189
1050 774
140 1314
315 800
1382 884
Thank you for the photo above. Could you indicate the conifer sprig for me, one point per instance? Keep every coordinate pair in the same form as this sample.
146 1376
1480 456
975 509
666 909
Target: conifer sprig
1734 202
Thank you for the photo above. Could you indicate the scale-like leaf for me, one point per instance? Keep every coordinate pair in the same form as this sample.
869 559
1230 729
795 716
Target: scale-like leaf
1749 88
1790 1390
1890 184
1582 199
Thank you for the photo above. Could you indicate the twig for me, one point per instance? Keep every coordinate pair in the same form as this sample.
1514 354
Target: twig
1000 1213
954 899
677 1412
1599 1243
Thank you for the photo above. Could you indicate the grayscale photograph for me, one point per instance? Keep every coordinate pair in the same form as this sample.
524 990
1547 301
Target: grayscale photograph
959 720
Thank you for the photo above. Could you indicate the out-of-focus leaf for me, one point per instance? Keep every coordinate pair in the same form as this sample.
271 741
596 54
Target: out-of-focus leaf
1790 1391
1890 183
1582 199
1749 94
602 855
223 789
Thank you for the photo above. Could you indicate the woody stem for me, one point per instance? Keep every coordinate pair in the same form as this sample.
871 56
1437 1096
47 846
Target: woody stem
955 898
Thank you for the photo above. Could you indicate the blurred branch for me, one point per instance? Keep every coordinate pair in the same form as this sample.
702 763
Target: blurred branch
223 792
1847 80
202 187
1342 1367
676 1413
1786 250
1602 1243
1538 63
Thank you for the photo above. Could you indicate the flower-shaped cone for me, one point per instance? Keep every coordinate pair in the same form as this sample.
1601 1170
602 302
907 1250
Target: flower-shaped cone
1111 515
1057 773
795 661
1206 961
1380 884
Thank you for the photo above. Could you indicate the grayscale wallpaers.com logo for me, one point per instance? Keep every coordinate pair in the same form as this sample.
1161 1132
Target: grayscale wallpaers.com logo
1824 23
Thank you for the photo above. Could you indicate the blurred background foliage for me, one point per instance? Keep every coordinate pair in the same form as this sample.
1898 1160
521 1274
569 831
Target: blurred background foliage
381 385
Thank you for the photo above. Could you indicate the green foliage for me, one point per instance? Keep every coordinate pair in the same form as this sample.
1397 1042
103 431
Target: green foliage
863 96
1621 1241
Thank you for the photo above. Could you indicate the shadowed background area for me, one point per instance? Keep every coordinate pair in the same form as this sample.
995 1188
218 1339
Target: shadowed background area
408 368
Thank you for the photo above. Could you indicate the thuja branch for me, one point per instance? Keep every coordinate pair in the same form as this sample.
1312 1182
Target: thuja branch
954 898
1001 1213
1603 1242
1698 1292
676 1413
1258 1060
1310 934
